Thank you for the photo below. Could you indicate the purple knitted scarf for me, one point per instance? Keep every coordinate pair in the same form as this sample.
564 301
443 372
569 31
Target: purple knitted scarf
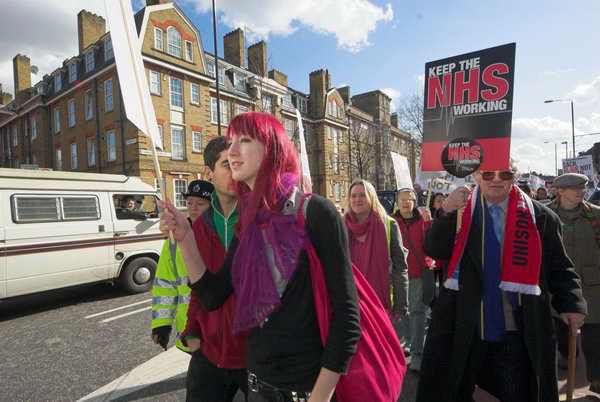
256 291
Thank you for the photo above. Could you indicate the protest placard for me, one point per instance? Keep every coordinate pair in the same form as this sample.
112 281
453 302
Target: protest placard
401 171
581 164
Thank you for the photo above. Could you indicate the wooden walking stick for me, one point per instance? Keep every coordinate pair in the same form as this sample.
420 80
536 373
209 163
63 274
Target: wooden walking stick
572 362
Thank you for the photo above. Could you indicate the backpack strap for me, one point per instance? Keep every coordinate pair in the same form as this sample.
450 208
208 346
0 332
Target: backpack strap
301 211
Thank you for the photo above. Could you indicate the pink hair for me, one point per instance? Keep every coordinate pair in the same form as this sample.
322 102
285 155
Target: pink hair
280 157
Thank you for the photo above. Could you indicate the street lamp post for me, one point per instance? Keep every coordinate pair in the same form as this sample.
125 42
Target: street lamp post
566 148
555 163
572 118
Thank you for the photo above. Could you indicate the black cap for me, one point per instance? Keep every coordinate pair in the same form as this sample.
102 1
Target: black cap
200 188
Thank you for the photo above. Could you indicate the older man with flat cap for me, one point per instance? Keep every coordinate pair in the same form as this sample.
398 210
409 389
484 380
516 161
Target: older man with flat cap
581 236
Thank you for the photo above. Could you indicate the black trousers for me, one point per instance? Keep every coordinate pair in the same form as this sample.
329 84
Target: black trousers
590 342
501 368
206 382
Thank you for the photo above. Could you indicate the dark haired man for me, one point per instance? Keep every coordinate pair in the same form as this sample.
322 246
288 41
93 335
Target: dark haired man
492 325
217 367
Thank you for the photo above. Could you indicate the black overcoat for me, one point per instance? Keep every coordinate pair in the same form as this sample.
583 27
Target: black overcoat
455 313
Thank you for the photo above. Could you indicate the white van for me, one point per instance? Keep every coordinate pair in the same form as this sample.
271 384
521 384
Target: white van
60 229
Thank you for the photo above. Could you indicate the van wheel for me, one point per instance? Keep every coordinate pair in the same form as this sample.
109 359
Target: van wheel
138 275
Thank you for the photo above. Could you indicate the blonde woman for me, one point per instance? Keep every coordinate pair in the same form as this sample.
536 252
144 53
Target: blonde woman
376 247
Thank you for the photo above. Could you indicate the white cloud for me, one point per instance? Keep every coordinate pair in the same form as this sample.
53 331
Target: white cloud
45 31
350 21
555 73
392 93
586 93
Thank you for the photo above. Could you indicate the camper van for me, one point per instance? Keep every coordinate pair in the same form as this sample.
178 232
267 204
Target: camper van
60 229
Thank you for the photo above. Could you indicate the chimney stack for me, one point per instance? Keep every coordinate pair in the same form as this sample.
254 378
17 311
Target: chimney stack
233 45
279 77
319 81
345 94
394 119
90 28
21 74
5 98
257 58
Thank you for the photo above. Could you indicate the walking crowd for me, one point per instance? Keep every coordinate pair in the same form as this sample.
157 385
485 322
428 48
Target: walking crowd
276 294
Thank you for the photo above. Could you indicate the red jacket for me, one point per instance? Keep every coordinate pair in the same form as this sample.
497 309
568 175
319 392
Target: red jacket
215 329
415 229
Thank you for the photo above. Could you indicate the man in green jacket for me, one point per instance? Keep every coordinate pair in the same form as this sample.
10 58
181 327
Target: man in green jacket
581 236
170 293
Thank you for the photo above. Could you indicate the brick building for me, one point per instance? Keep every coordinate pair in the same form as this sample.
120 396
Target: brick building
74 120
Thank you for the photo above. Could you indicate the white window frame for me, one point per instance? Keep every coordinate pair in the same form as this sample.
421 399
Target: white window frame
73 150
289 127
56 120
109 52
329 135
155 74
287 100
34 127
71 112
196 141
239 81
330 161
221 75
270 108
336 164
91 151
58 158
173 48
158 39
179 187
338 192
108 97
57 82
194 94
89 104
224 111
303 105
172 93
189 51
210 70
343 189
160 133
72 72
111 135
90 62
307 134
239 109
173 144
331 188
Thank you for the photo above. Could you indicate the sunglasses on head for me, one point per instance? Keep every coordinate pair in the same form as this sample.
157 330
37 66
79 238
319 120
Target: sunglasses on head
504 175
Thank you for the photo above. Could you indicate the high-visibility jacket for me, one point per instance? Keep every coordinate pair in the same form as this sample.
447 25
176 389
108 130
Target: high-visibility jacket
170 293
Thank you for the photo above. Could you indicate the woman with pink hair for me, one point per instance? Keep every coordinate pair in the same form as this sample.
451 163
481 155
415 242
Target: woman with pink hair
268 270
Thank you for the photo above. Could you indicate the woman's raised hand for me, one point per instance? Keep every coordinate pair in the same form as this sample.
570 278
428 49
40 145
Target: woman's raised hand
171 219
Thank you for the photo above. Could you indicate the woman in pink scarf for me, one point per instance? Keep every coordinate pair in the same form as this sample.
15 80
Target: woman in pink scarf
376 248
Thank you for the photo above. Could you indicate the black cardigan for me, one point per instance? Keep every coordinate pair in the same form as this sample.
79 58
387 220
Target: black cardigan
286 350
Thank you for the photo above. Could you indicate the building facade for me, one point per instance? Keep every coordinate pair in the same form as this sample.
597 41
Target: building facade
74 119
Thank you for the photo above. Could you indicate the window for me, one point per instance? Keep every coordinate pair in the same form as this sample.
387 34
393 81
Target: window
329 136
176 86
72 72
343 189
154 82
267 102
196 141
239 109
91 151
211 69
53 209
15 136
33 127
58 159
71 107
57 82
160 133
221 75
108 95
302 105
173 42
336 164
289 127
89 62
89 111
287 100
179 188
108 50
213 111
331 189
75 208
189 51
330 161
239 81
337 192
25 128
74 156
111 146
177 143
195 91
56 120
158 39
307 134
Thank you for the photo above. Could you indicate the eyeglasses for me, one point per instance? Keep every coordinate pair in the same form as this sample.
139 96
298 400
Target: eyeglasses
504 175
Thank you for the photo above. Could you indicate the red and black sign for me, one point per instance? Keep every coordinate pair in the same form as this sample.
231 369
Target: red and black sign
468 111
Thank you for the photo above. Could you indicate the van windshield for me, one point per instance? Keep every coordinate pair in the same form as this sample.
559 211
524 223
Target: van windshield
135 206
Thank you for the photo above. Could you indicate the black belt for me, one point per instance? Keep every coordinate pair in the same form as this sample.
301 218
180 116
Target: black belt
257 385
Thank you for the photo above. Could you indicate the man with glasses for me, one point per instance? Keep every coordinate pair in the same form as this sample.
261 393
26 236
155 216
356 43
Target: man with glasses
581 237
491 325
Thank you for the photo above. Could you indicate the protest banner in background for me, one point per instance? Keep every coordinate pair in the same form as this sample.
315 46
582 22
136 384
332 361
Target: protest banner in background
581 164
468 110
401 170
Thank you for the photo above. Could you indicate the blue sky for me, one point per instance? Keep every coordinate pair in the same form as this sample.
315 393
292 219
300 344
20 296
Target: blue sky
373 44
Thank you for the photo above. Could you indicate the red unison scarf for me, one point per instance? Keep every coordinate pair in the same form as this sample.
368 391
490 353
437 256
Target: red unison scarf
522 249
371 256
